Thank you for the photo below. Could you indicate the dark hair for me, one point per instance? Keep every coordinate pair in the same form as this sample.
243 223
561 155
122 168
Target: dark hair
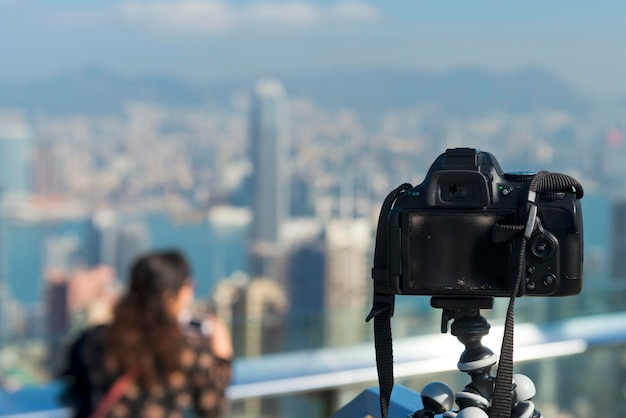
144 333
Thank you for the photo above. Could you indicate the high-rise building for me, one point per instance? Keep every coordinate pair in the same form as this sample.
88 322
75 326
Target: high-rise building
74 298
307 287
10 313
618 241
600 228
46 170
118 242
269 145
15 156
328 281
255 309
15 180
349 250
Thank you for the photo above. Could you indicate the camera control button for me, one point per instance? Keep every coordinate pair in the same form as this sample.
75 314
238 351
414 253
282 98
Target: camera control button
549 280
530 286
531 270
542 247
505 190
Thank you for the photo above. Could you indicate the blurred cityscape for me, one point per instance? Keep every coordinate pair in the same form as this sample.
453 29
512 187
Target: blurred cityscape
272 187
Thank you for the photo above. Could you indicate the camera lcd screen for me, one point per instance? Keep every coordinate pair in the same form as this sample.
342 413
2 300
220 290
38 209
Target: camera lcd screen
454 254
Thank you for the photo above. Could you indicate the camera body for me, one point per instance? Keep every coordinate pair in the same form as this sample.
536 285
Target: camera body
440 233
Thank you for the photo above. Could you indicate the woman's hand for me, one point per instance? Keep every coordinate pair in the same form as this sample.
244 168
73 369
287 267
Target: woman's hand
221 341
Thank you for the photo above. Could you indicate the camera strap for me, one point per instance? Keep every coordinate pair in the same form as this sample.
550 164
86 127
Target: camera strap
542 182
383 303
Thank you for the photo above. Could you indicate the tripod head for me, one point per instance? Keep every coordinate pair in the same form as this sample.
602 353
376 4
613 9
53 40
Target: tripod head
457 308
469 327
474 401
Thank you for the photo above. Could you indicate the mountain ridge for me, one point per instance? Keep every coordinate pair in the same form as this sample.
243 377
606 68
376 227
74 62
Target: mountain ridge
368 92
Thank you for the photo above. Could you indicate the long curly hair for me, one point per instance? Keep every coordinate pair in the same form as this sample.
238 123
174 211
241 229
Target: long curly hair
144 334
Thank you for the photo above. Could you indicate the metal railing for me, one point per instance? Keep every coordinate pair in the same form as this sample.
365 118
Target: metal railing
331 369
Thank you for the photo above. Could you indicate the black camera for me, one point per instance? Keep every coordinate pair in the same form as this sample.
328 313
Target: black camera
459 232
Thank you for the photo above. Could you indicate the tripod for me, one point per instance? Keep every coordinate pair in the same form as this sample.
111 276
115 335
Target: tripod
474 400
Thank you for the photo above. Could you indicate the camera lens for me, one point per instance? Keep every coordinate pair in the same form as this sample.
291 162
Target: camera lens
543 246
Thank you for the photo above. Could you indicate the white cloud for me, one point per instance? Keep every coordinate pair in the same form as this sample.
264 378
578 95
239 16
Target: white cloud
215 16
185 16
290 14
355 11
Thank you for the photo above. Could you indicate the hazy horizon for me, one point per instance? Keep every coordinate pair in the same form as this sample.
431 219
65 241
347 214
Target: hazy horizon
203 40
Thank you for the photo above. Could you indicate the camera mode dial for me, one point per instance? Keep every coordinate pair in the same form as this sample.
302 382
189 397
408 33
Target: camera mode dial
519 176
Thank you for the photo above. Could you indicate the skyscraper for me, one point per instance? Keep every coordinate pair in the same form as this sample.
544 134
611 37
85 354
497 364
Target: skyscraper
269 145
328 271
118 242
15 155
349 251
307 286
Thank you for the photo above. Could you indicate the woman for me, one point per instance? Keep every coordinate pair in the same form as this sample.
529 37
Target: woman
146 363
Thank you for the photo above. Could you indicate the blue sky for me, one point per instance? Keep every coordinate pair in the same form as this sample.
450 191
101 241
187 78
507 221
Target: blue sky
581 42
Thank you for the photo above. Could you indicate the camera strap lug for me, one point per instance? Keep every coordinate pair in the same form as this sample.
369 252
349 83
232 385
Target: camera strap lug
383 299
382 303
532 214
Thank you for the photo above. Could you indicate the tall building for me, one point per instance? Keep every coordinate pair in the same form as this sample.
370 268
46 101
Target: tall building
349 249
255 309
618 241
599 228
9 313
269 145
15 156
74 298
328 269
306 273
46 171
15 181
117 242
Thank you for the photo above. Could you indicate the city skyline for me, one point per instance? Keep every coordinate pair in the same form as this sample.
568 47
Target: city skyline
206 40
338 162
138 116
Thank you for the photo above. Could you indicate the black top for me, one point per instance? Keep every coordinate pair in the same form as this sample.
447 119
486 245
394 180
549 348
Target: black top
200 384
